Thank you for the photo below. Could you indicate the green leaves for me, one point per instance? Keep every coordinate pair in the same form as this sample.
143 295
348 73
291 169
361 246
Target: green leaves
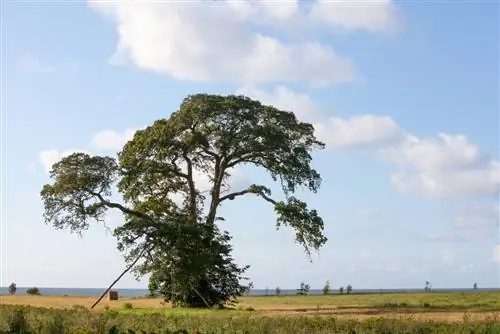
157 174
308 225
81 185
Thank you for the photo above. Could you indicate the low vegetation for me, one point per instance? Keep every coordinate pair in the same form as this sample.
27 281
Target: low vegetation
33 291
25 319
471 312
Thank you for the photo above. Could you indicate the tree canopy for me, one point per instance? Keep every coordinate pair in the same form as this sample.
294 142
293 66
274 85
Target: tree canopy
155 173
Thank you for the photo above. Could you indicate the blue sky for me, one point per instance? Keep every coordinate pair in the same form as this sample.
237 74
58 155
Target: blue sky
405 94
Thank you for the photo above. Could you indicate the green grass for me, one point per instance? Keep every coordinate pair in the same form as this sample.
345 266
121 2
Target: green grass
453 301
79 320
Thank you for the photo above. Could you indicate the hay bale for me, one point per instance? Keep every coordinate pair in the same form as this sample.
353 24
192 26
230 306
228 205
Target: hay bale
113 295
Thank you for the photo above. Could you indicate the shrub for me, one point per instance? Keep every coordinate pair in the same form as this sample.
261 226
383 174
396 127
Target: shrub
304 289
12 288
33 291
326 288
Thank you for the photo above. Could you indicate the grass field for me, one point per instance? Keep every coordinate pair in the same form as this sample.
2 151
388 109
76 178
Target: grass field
376 313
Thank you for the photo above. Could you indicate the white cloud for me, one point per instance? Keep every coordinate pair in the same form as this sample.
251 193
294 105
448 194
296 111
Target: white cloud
112 140
447 166
50 157
496 253
379 15
216 44
373 16
337 132
443 167
286 99
359 131
445 151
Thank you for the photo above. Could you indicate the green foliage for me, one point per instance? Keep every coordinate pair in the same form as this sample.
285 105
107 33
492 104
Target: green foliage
348 289
341 290
209 134
71 321
202 273
33 291
12 288
304 289
326 288
16 321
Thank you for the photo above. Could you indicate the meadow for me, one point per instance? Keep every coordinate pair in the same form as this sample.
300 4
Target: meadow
467 312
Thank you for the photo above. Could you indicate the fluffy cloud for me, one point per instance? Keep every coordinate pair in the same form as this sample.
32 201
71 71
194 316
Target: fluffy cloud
49 157
359 131
286 99
222 40
112 140
381 15
337 132
443 167
372 16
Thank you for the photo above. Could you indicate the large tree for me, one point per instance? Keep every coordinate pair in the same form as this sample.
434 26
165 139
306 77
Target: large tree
169 222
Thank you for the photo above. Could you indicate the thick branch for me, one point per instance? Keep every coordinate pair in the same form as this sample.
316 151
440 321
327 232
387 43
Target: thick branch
254 189
220 169
120 207
191 185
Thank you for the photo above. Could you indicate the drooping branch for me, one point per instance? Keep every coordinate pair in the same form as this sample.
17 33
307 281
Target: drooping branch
307 224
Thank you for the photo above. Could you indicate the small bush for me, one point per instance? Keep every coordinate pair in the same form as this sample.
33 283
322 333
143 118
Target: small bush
326 288
12 289
33 291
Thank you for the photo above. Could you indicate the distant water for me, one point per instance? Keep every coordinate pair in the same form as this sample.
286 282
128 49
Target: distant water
254 292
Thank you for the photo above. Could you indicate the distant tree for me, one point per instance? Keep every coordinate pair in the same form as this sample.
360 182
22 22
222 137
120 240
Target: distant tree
249 287
304 289
278 291
33 291
12 288
349 289
475 286
267 291
428 286
341 290
326 288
